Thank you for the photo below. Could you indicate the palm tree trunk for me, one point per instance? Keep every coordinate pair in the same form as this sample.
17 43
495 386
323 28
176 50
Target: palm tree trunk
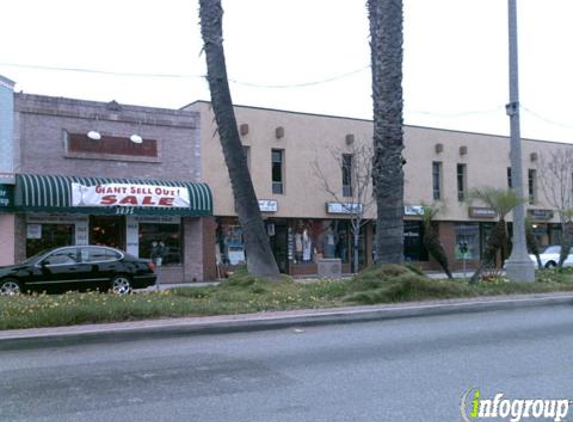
435 248
497 239
260 259
386 40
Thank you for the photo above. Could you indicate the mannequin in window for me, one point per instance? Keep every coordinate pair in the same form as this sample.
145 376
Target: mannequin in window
329 243
341 247
306 246
298 246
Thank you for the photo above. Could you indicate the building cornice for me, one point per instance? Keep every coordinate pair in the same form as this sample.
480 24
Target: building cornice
6 83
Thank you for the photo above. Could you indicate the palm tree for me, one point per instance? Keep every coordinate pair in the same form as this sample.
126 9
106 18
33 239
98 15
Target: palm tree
502 201
431 240
260 259
386 38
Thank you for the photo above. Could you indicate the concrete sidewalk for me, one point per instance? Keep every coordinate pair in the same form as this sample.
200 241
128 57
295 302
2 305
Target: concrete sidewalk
125 331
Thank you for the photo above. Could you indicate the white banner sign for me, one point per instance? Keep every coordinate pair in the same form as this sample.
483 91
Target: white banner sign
414 210
129 195
268 205
344 208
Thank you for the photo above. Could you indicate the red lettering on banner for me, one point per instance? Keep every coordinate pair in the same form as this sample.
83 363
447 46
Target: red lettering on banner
147 200
108 200
166 202
128 200
99 189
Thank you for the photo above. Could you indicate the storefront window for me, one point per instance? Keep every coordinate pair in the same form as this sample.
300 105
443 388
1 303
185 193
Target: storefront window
230 246
414 250
169 234
45 236
554 234
468 235
107 231
314 239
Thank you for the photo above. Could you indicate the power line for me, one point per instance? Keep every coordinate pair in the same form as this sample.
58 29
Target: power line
100 72
546 120
183 76
303 84
457 114
277 86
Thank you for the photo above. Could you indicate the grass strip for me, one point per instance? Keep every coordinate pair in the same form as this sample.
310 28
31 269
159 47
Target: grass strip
246 294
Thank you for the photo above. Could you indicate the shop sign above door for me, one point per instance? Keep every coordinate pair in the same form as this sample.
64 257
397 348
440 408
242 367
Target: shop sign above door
344 207
6 197
481 212
129 195
414 210
541 214
268 205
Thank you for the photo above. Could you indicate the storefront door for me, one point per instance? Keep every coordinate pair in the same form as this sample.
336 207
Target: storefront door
279 245
107 231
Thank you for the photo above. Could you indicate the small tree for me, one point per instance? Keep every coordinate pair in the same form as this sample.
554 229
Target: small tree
502 201
355 164
431 240
555 170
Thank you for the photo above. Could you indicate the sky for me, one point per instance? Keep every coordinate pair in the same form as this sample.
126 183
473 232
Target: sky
301 55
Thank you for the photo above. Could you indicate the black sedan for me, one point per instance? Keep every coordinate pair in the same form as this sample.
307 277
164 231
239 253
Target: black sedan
78 268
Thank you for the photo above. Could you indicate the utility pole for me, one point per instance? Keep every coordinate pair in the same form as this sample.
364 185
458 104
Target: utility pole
519 267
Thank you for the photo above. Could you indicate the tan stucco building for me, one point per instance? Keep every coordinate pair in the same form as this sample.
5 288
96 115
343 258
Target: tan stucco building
440 165
46 152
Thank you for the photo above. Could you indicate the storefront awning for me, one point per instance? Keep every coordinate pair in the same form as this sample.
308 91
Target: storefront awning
111 196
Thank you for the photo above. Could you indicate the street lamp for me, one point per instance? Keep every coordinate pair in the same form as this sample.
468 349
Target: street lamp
519 267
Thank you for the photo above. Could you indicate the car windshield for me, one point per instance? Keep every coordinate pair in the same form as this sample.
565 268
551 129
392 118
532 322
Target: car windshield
34 257
552 250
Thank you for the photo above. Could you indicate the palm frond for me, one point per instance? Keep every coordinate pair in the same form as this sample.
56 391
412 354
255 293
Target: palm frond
502 201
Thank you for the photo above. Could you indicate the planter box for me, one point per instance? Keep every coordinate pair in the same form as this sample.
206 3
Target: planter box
329 268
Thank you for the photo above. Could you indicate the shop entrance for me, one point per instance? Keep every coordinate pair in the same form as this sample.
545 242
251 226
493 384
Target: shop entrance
278 237
107 231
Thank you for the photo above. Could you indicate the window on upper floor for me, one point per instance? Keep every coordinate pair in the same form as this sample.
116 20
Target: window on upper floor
277 161
462 181
111 145
247 155
532 184
437 180
347 160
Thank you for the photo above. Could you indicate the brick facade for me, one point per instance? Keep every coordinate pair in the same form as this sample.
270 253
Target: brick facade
46 127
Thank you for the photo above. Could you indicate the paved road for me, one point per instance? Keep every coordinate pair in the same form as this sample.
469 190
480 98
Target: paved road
395 370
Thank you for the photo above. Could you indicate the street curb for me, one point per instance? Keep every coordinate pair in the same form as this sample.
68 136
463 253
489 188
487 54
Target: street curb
154 329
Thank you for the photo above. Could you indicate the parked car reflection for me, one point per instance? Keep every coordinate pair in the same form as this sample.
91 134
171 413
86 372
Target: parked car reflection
550 257
78 268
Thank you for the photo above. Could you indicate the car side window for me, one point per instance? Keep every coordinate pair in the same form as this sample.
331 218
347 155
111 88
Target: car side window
98 255
62 257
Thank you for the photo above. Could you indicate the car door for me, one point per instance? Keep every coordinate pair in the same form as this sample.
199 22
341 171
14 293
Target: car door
60 268
569 261
101 264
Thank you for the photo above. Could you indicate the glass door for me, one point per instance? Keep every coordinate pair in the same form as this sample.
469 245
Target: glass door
107 231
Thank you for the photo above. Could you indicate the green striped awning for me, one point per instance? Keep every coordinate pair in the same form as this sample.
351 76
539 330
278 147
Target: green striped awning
50 193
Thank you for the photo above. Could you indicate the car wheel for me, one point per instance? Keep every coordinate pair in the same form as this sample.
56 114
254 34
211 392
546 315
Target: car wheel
550 264
10 287
121 284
